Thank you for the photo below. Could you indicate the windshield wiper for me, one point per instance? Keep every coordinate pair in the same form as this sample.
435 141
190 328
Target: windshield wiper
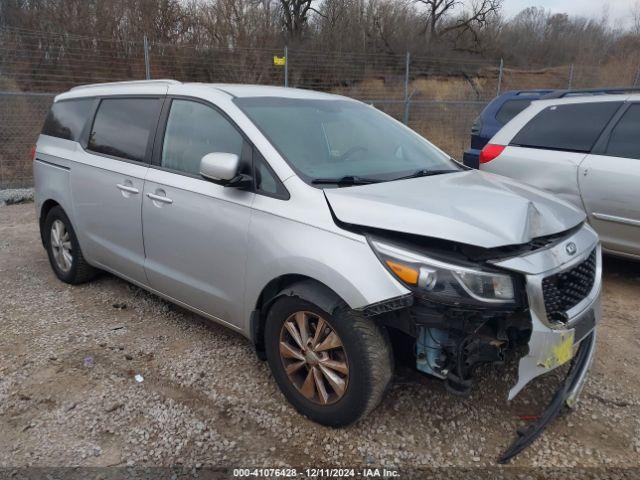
346 180
426 173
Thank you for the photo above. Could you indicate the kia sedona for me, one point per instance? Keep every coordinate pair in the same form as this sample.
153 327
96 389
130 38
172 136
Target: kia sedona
336 239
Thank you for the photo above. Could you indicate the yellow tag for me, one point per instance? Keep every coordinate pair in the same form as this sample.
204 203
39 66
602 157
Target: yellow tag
280 61
560 353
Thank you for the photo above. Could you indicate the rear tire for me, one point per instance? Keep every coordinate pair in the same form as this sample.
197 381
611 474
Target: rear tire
363 361
63 249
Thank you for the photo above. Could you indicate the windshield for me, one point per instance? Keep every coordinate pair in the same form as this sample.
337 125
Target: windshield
338 139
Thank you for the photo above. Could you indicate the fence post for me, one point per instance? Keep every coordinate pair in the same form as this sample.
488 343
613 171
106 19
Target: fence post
570 77
147 67
407 97
500 73
286 66
637 78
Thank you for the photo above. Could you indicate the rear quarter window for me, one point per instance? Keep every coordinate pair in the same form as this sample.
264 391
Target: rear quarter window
625 137
574 127
67 118
510 109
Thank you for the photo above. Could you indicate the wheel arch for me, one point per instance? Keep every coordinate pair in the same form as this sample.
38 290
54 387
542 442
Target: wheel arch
294 285
46 207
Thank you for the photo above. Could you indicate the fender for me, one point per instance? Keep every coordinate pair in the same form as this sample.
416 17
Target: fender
309 290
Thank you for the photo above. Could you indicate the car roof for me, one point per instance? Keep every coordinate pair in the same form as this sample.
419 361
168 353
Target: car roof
524 93
157 87
593 92
635 97
243 90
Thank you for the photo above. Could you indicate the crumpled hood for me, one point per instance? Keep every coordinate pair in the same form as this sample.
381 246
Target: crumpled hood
470 207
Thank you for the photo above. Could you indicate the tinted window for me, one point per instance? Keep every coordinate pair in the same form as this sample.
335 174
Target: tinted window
510 109
66 119
625 137
122 127
266 180
193 130
567 127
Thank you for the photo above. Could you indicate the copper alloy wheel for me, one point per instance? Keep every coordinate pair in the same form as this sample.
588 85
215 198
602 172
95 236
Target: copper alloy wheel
314 358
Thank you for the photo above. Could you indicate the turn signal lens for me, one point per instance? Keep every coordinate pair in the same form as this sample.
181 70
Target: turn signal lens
490 152
405 273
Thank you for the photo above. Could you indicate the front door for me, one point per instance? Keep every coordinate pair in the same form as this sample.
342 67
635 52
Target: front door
195 231
610 185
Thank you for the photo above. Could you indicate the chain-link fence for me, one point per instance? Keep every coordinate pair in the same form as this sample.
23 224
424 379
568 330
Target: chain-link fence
437 97
22 115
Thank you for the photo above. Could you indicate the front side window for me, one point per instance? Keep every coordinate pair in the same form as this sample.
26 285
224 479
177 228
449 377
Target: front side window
323 139
572 127
194 130
625 137
267 181
122 127
67 118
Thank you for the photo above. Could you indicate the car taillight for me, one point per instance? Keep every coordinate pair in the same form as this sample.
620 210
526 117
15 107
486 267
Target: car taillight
33 153
490 152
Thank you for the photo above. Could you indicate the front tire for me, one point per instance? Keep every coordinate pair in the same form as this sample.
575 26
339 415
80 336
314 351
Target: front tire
333 369
63 249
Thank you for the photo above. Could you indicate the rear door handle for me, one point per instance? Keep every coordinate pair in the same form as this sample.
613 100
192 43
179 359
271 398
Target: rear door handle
159 198
127 188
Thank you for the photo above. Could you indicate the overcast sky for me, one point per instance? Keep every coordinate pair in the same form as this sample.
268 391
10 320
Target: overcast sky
618 9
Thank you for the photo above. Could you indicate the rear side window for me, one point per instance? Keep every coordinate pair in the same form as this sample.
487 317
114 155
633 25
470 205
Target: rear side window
122 127
625 137
573 128
510 109
67 118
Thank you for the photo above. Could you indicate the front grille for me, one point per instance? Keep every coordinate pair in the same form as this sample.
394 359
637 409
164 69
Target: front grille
565 290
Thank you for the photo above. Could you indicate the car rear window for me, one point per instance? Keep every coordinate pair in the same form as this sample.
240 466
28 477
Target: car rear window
574 127
510 109
67 118
624 140
122 127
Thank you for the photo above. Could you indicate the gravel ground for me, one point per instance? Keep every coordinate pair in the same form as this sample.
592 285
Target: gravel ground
69 357
15 195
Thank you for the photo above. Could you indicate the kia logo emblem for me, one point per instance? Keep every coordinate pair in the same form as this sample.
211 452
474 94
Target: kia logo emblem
571 248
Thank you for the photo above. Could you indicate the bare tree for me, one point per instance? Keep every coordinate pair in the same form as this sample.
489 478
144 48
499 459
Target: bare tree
474 16
295 16
635 18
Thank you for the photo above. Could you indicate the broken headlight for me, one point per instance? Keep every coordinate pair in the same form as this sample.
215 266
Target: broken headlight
444 282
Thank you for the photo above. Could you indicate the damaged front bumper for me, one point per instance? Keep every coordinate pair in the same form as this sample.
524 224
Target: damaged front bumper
553 341
554 325
566 394
556 341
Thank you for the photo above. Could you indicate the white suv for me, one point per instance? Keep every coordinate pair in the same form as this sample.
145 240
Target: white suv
586 150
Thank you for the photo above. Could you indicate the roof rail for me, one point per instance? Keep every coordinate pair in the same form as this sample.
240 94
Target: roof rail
591 91
129 82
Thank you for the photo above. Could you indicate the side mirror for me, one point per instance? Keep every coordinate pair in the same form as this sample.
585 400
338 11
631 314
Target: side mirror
219 166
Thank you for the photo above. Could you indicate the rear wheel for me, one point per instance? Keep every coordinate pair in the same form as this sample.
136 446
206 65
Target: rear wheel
63 249
332 368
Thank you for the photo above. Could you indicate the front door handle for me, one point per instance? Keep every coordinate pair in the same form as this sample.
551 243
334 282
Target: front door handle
127 188
159 198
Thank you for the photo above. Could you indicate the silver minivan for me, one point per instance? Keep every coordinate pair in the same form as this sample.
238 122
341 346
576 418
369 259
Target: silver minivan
332 236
